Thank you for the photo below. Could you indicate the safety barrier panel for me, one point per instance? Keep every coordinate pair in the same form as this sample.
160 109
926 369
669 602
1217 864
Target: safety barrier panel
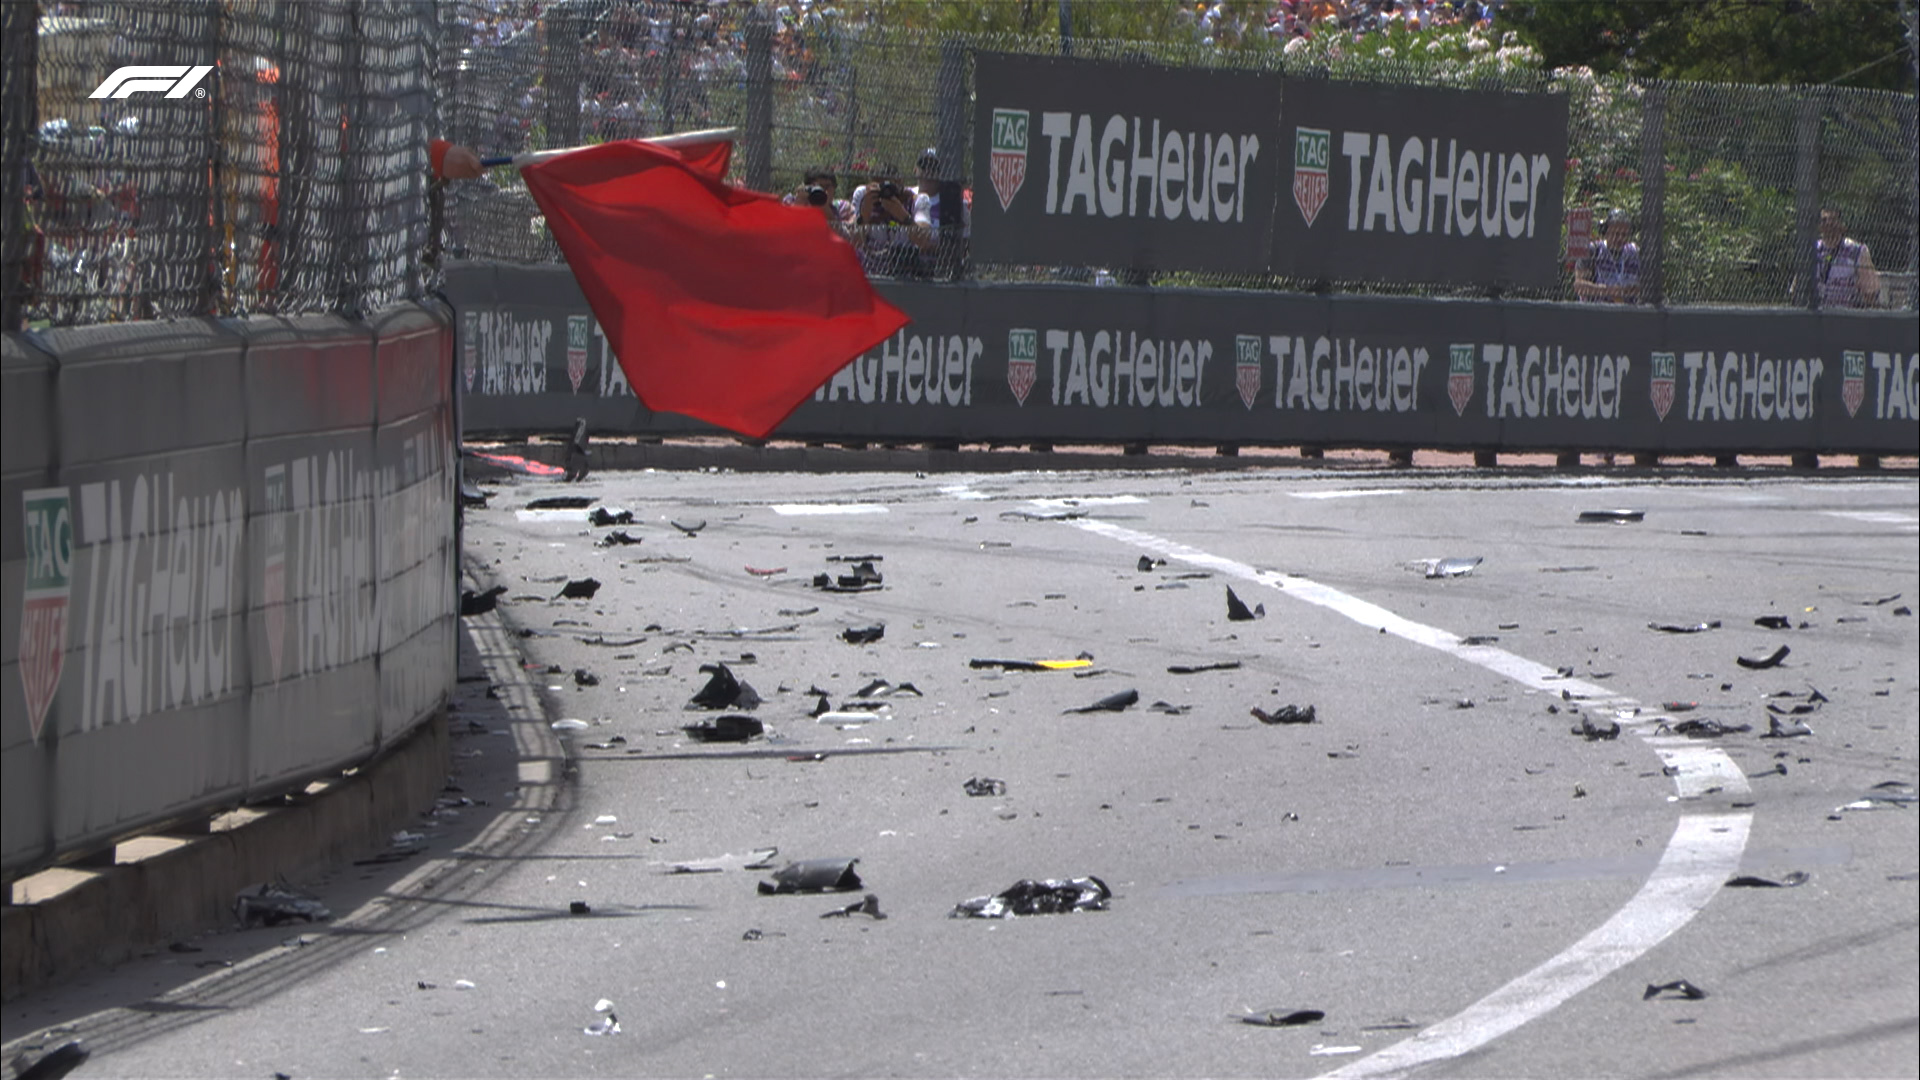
1047 363
230 548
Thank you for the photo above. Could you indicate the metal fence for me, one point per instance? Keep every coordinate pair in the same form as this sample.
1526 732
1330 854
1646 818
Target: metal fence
290 177
298 183
1724 182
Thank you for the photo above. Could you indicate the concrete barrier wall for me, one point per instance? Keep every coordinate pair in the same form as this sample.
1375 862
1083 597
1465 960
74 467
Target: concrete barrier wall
229 564
1046 363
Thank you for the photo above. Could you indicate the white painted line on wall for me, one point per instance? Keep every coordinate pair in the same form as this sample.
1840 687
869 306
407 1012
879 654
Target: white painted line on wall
1704 852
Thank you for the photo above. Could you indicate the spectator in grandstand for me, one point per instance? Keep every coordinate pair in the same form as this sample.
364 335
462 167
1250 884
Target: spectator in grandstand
1843 268
1610 274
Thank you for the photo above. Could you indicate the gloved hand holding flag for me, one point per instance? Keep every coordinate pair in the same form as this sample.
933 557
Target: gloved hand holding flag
722 304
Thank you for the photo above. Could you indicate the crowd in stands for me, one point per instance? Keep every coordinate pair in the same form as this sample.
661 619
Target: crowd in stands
646 62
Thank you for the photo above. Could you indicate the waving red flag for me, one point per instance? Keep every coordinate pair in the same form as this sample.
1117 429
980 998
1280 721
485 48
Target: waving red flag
722 304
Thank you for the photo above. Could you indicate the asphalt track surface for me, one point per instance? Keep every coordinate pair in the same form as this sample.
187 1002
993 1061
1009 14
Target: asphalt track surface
1460 884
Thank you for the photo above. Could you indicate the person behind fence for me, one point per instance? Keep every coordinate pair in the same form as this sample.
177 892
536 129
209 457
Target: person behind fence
819 188
1610 274
884 232
943 212
1843 268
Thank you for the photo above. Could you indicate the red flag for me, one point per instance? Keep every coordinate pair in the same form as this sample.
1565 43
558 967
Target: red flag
722 304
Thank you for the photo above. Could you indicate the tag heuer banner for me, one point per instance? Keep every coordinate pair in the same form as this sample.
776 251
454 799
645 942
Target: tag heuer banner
1130 166
1124 166
1420 184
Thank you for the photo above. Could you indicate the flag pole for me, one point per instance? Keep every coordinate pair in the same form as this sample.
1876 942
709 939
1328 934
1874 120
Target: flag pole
702 137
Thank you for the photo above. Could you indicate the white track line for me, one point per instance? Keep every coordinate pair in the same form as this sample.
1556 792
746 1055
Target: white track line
1704 851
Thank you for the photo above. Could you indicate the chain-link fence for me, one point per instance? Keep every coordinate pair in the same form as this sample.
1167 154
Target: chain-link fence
298 182
1723 183
270 158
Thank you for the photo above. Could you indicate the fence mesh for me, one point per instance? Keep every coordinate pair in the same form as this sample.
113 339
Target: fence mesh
298 182
291 177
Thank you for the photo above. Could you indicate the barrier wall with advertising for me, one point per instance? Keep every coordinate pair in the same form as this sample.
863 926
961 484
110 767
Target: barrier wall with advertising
1148 167
230 546
1137 166
1046 363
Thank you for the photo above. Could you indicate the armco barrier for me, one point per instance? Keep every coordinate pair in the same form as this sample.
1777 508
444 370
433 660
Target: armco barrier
229 565
1046 363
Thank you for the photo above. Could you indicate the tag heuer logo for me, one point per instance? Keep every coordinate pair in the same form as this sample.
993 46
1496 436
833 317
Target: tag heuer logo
1460 377
43 610
1664 370
1023 354
469 345
1853 380
273 580
1246 367
1009 165
576 350
1312 152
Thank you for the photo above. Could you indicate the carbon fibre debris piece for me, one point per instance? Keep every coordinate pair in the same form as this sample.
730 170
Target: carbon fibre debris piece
1237 610
1770 660
1054 896
723 691
1748 881
813 875
1595 732
1195 669
1119 702
55 1064
275 903
1785 729
1708 729
728 728
1285 714
1678 989
1284 1018
481 603
868 905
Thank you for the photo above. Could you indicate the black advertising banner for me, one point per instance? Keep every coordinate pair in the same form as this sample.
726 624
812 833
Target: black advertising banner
1420 184
1123 166
1027 363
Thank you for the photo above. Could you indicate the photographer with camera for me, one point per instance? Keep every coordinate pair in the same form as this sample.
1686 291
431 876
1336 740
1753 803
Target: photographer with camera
884 231
818 189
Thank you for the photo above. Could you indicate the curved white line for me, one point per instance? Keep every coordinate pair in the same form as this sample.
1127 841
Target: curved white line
1704 851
